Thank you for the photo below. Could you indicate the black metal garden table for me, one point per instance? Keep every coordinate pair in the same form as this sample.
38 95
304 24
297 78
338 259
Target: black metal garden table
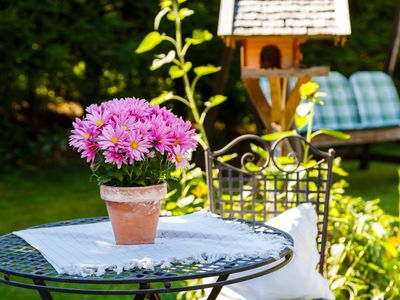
19 261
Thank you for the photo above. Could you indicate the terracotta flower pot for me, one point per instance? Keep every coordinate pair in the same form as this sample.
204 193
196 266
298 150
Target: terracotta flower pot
134 212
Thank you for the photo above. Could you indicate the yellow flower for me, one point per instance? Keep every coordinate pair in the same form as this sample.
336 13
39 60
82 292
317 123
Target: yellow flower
308 89
393 241
200 190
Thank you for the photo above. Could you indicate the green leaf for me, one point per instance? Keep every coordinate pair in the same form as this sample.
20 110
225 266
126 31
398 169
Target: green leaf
171 16
159 16
181 1
227 157
187 66
205 70
149 42
185 12
170 206
162 59
276 135
252 167
199 36
215 100
300 121
176 72
165 96
259 151
335 133
119 176
165 3
103 179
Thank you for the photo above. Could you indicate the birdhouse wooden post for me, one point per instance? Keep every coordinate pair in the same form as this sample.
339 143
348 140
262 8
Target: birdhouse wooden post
271 33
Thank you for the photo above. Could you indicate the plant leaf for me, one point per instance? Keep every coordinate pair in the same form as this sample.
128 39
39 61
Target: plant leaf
215 100
171 16
276 135
187 66
259 150
227 157
162 59
159 16
151 40
335 133
199 36
176 72
103 179
205 70
165 96
185 12
300 121
165 3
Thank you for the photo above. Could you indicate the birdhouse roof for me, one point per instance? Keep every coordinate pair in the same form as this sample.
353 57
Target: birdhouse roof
321 18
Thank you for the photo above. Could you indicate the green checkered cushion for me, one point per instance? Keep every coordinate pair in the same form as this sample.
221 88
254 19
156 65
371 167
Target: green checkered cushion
377 99
339 111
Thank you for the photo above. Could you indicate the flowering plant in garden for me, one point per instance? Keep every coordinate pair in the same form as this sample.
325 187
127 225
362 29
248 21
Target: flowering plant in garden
129 142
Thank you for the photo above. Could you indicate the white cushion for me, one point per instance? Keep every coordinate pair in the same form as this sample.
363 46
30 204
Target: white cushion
298 279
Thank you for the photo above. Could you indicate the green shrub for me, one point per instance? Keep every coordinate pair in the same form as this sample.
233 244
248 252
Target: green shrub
363 260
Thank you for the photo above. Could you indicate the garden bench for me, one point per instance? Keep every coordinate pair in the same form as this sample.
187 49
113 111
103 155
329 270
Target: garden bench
366 106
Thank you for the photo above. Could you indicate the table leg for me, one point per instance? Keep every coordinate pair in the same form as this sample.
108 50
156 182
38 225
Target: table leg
45 295
216 290
143 296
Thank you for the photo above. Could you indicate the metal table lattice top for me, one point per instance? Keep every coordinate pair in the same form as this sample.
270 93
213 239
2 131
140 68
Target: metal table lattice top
20 259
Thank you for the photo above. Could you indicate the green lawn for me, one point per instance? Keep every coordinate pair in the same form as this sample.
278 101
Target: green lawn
380 180
36 197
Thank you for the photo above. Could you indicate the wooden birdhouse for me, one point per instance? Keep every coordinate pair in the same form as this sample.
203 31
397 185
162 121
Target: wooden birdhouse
271 33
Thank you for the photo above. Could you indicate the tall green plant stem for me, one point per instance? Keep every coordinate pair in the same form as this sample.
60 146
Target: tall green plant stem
309 132
188 86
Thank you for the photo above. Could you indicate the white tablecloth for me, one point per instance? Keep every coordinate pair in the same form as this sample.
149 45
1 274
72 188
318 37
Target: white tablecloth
90 249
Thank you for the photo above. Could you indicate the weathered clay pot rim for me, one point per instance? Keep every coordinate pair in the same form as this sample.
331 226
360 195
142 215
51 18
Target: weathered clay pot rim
149 193
132 187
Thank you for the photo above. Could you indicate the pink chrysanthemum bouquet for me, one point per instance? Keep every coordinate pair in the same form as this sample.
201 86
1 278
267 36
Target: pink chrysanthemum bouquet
130 142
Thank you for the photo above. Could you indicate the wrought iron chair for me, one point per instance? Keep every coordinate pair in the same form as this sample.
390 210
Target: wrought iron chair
258 191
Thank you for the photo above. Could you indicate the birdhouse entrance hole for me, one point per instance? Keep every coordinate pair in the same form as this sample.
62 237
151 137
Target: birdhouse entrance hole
270 57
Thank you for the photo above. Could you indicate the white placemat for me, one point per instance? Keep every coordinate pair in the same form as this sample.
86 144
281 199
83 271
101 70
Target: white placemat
90 249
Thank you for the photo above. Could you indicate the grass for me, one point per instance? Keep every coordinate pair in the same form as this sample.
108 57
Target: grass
380 180
37 197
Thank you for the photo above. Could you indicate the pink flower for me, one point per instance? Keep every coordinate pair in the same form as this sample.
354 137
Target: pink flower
89 151
183 136
97 117
124 120
115 156
93 108
138 108
112 137
124 131
81 133
179 157
136 146
143 128
160 134
115 107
